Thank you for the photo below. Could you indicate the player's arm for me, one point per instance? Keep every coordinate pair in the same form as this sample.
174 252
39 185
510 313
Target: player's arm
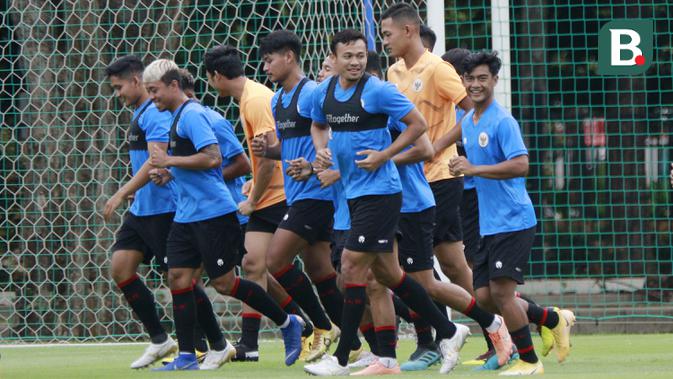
208 157
466 104
421 151
261 148
138 180
264 173
511 168
449 138
239 166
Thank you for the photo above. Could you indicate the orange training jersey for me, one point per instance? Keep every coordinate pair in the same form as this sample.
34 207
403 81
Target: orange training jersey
256 117
435 88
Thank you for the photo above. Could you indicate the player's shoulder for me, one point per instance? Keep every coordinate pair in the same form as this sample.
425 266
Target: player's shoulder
153 113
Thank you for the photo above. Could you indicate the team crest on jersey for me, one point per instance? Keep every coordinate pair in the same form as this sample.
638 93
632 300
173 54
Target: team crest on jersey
418 85
483 139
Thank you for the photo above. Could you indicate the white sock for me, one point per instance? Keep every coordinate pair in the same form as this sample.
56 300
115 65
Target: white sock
286 323
495 325
388 362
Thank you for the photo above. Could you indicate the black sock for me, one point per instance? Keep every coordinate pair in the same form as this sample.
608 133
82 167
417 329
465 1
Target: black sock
250 329
355 297
419 301
387 341
402 310
184 316
207 322
489 343
423 333
331 298
483 318
445 312
255 296
141 300
200 341
297 284
370 336
524 343
291 307
542 316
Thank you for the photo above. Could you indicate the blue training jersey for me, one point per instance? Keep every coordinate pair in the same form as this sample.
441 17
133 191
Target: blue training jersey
504 204
342 216
468 181
149 125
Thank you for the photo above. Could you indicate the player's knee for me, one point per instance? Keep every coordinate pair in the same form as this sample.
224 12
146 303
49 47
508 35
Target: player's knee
501 295
253 266
120 272
223 285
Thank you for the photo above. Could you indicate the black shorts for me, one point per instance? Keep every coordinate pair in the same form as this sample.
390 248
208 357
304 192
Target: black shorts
448 193
266 220
147 234
241 246
374 221
311 219
469 215
214 242
415 242
503 255
338 242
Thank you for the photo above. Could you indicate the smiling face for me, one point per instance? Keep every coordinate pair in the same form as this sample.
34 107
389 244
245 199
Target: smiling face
351 59
127 89
164 96
479 84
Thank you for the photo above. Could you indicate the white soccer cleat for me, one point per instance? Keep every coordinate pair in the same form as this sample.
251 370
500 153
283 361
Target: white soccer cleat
215 359
364 359
451 347
155 352
327 366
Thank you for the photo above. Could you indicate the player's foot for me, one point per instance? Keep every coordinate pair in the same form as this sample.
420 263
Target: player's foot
547 337
421 359
322 339
450 347
364 359
292 339
379 368
561 333
480 360
214 359
327 366
502 342
154 352
184 361
492 363
306 343
353 355
244 353
524 368
200 356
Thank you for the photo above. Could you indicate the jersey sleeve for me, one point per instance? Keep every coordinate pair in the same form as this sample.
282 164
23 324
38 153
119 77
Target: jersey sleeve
305 102
258 115
318 99
230 146
392 102
510 139
448 83
196 127
157 125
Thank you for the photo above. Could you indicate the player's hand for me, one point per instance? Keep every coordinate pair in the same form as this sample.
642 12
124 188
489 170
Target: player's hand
160 176
246 187
323 159
460 166
111 205
258 146
373 160
328 177
246 207
158 157
299 169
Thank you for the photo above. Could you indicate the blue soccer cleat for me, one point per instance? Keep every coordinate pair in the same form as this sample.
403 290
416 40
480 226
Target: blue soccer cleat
183 362
492 362
421 359
292 339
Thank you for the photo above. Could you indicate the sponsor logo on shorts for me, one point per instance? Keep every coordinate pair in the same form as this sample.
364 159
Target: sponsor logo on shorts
517 269
383 241
166 260
220 262
308 227
410 261
361 239
498 265
286 217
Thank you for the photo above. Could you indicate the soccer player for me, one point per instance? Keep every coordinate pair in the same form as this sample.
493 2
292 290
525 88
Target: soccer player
307 225
205 229
428 37
326 69
357 107
498 160
145 227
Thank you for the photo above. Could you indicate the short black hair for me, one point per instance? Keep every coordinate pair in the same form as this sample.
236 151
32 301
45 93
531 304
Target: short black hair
374 63
428 36
401 11
280 41
489 58
456 57
186 79
346 36
125 67
172 75
225 60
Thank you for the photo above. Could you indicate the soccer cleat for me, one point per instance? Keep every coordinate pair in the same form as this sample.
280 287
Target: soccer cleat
492 363
215 359
322 339
306 343
292 339
450 347
184 361
377 368
421 359
245 353
502 342
480 360
524 368
327 366
200 356
154 352
364 359
353 355
547 337
562 333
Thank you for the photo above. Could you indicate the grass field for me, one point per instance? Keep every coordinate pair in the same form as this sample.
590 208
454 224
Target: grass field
597 356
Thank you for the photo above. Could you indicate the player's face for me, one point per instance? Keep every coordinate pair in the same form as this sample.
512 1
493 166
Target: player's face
326 70
216 81
479 84
394 37
277 65
127 90
351 59
161 94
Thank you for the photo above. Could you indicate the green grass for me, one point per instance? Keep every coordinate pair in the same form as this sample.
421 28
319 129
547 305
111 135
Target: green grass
600 356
